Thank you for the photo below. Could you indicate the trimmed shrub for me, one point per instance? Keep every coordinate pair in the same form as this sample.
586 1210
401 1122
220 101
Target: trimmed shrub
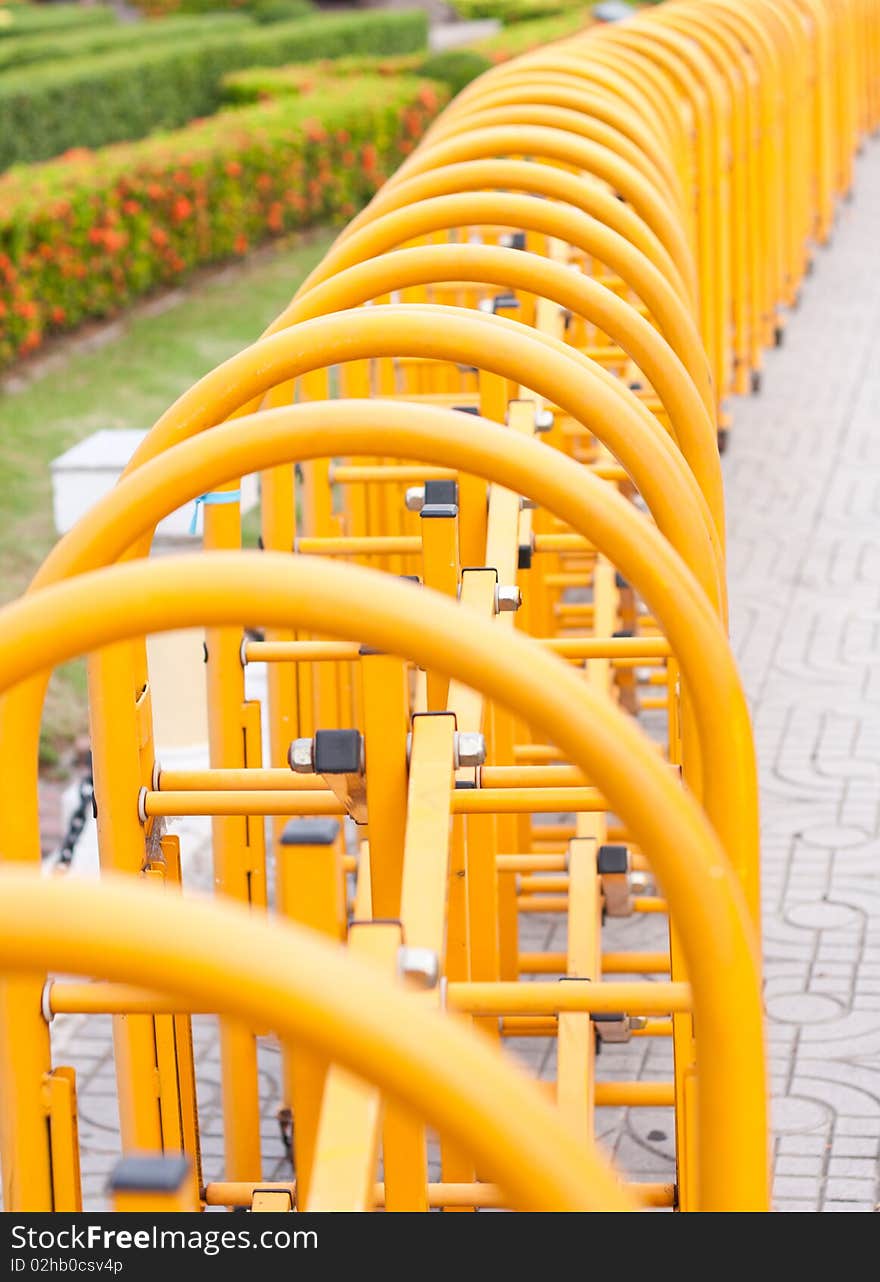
83 236
257 84
27 50
523 36
162 8
266 11
24 19
512 11
88 102
455 67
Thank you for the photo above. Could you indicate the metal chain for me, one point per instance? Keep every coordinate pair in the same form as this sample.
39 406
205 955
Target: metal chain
78 819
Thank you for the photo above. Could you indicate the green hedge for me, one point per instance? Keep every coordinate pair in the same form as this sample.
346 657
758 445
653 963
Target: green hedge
23 19
82 43
256 84
512 11
82 237
279 10
89 102
521 37
453 68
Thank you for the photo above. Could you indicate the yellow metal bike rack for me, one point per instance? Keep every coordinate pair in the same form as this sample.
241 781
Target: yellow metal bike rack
507 381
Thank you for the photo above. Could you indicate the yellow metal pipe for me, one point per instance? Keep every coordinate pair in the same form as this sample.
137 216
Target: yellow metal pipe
643 556
352 1015
569 995
49 626
301 651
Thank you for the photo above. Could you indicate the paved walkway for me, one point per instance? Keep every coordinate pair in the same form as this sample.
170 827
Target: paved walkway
803 494
803 501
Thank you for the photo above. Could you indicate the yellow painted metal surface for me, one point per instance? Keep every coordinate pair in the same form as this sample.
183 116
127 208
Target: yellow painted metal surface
504 384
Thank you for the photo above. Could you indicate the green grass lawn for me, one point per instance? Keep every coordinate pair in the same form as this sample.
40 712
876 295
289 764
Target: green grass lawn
125 382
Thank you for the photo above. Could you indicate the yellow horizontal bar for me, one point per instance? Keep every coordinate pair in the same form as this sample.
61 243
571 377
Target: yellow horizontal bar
576 995
300 651
227 1193
364 545
306 801
638 649
562 543
358 474
612 963
531 863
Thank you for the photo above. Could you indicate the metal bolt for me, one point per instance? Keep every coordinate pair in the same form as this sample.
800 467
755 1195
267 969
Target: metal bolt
641 883
419 966
526 505
301 756
469 749
415 498
544 420
486 305
508 598
638 1021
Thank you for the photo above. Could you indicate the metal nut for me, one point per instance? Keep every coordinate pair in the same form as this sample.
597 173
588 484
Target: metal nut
470 748
415 498
638 1021
419 966
508 598
301 756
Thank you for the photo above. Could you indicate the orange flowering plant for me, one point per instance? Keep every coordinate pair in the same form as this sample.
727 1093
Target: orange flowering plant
85 234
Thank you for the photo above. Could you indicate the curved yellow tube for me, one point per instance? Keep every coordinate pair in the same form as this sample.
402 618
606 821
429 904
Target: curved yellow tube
597 106
439 436
529 213
429 264
568 149
502 346
526 176
719 945
312 992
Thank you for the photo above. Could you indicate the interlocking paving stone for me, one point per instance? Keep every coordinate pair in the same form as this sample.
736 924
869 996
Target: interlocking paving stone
803 479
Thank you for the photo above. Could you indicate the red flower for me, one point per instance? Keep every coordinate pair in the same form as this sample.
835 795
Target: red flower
428 98
264 182
181 209
233 168
369 156
131 207
275 216
159 236
240 244
26 310
58 315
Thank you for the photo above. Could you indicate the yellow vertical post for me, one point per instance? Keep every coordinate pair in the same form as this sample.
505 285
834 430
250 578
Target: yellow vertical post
144 1183
310 890
423 915
60 1095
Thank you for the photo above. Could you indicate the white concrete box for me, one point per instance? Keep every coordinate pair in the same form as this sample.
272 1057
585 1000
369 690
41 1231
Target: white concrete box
90 469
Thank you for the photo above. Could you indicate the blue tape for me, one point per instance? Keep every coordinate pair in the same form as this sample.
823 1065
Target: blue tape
215 498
